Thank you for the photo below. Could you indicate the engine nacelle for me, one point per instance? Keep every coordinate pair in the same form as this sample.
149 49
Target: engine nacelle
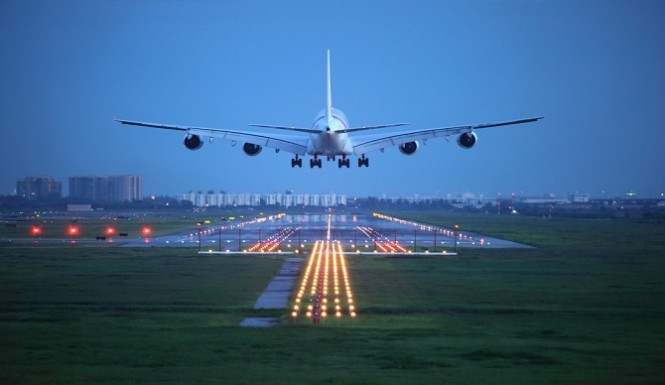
193 142
252 149
467 140
408 148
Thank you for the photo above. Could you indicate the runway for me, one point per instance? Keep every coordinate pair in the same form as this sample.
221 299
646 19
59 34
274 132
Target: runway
360 233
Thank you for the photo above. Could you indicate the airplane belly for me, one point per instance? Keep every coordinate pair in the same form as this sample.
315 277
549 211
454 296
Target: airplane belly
330 144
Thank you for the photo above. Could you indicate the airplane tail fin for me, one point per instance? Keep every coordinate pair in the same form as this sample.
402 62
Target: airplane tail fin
329 106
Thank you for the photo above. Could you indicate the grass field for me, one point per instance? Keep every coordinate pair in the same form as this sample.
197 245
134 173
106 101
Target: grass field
586 306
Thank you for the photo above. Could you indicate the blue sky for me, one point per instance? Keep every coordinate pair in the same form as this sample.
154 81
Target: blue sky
595 70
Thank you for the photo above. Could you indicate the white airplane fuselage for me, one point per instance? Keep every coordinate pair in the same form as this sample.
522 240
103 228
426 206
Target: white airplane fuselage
332 140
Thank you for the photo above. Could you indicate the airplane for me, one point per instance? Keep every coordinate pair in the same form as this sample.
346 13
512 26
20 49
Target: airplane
329 136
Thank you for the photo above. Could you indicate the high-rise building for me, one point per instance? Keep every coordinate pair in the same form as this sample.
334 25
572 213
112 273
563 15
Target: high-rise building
125 188
89 188
39 188
120 188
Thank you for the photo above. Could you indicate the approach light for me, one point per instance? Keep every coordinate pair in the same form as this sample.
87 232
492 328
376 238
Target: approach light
146 231
73 231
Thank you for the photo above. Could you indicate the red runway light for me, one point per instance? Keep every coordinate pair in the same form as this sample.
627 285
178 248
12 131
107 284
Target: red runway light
146 231
73 230
36 230
110 230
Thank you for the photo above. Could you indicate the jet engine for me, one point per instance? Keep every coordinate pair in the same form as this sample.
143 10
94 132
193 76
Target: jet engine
252 149
467 140
193 142
408 148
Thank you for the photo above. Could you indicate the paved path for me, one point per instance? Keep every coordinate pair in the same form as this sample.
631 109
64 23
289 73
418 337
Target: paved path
276 295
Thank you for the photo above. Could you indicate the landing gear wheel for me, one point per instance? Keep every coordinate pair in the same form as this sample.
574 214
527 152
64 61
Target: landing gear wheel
296 162
344 163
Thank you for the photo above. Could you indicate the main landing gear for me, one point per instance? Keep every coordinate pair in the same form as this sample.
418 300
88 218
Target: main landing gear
363 161
297 161
315 162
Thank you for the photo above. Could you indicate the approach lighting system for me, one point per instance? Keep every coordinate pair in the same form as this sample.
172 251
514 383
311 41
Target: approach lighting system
146 231
73 231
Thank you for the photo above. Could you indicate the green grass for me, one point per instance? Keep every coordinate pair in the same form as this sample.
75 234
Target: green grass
586 306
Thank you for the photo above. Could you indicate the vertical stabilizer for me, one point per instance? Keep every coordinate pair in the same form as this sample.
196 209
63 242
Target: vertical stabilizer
328 88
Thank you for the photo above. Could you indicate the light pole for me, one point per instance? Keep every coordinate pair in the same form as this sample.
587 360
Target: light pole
456 230
435 231
198 226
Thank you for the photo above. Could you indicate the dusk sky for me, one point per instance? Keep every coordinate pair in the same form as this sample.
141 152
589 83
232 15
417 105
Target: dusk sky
594 69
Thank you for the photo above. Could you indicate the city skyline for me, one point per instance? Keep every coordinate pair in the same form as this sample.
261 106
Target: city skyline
106 188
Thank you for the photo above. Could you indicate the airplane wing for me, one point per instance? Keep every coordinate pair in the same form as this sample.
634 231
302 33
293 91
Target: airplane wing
287 128
363 144
354 129
288 143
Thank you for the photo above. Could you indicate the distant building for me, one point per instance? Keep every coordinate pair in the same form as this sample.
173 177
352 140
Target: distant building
121 188
89 188
579 198
79 208
276 199
125 188
39 188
